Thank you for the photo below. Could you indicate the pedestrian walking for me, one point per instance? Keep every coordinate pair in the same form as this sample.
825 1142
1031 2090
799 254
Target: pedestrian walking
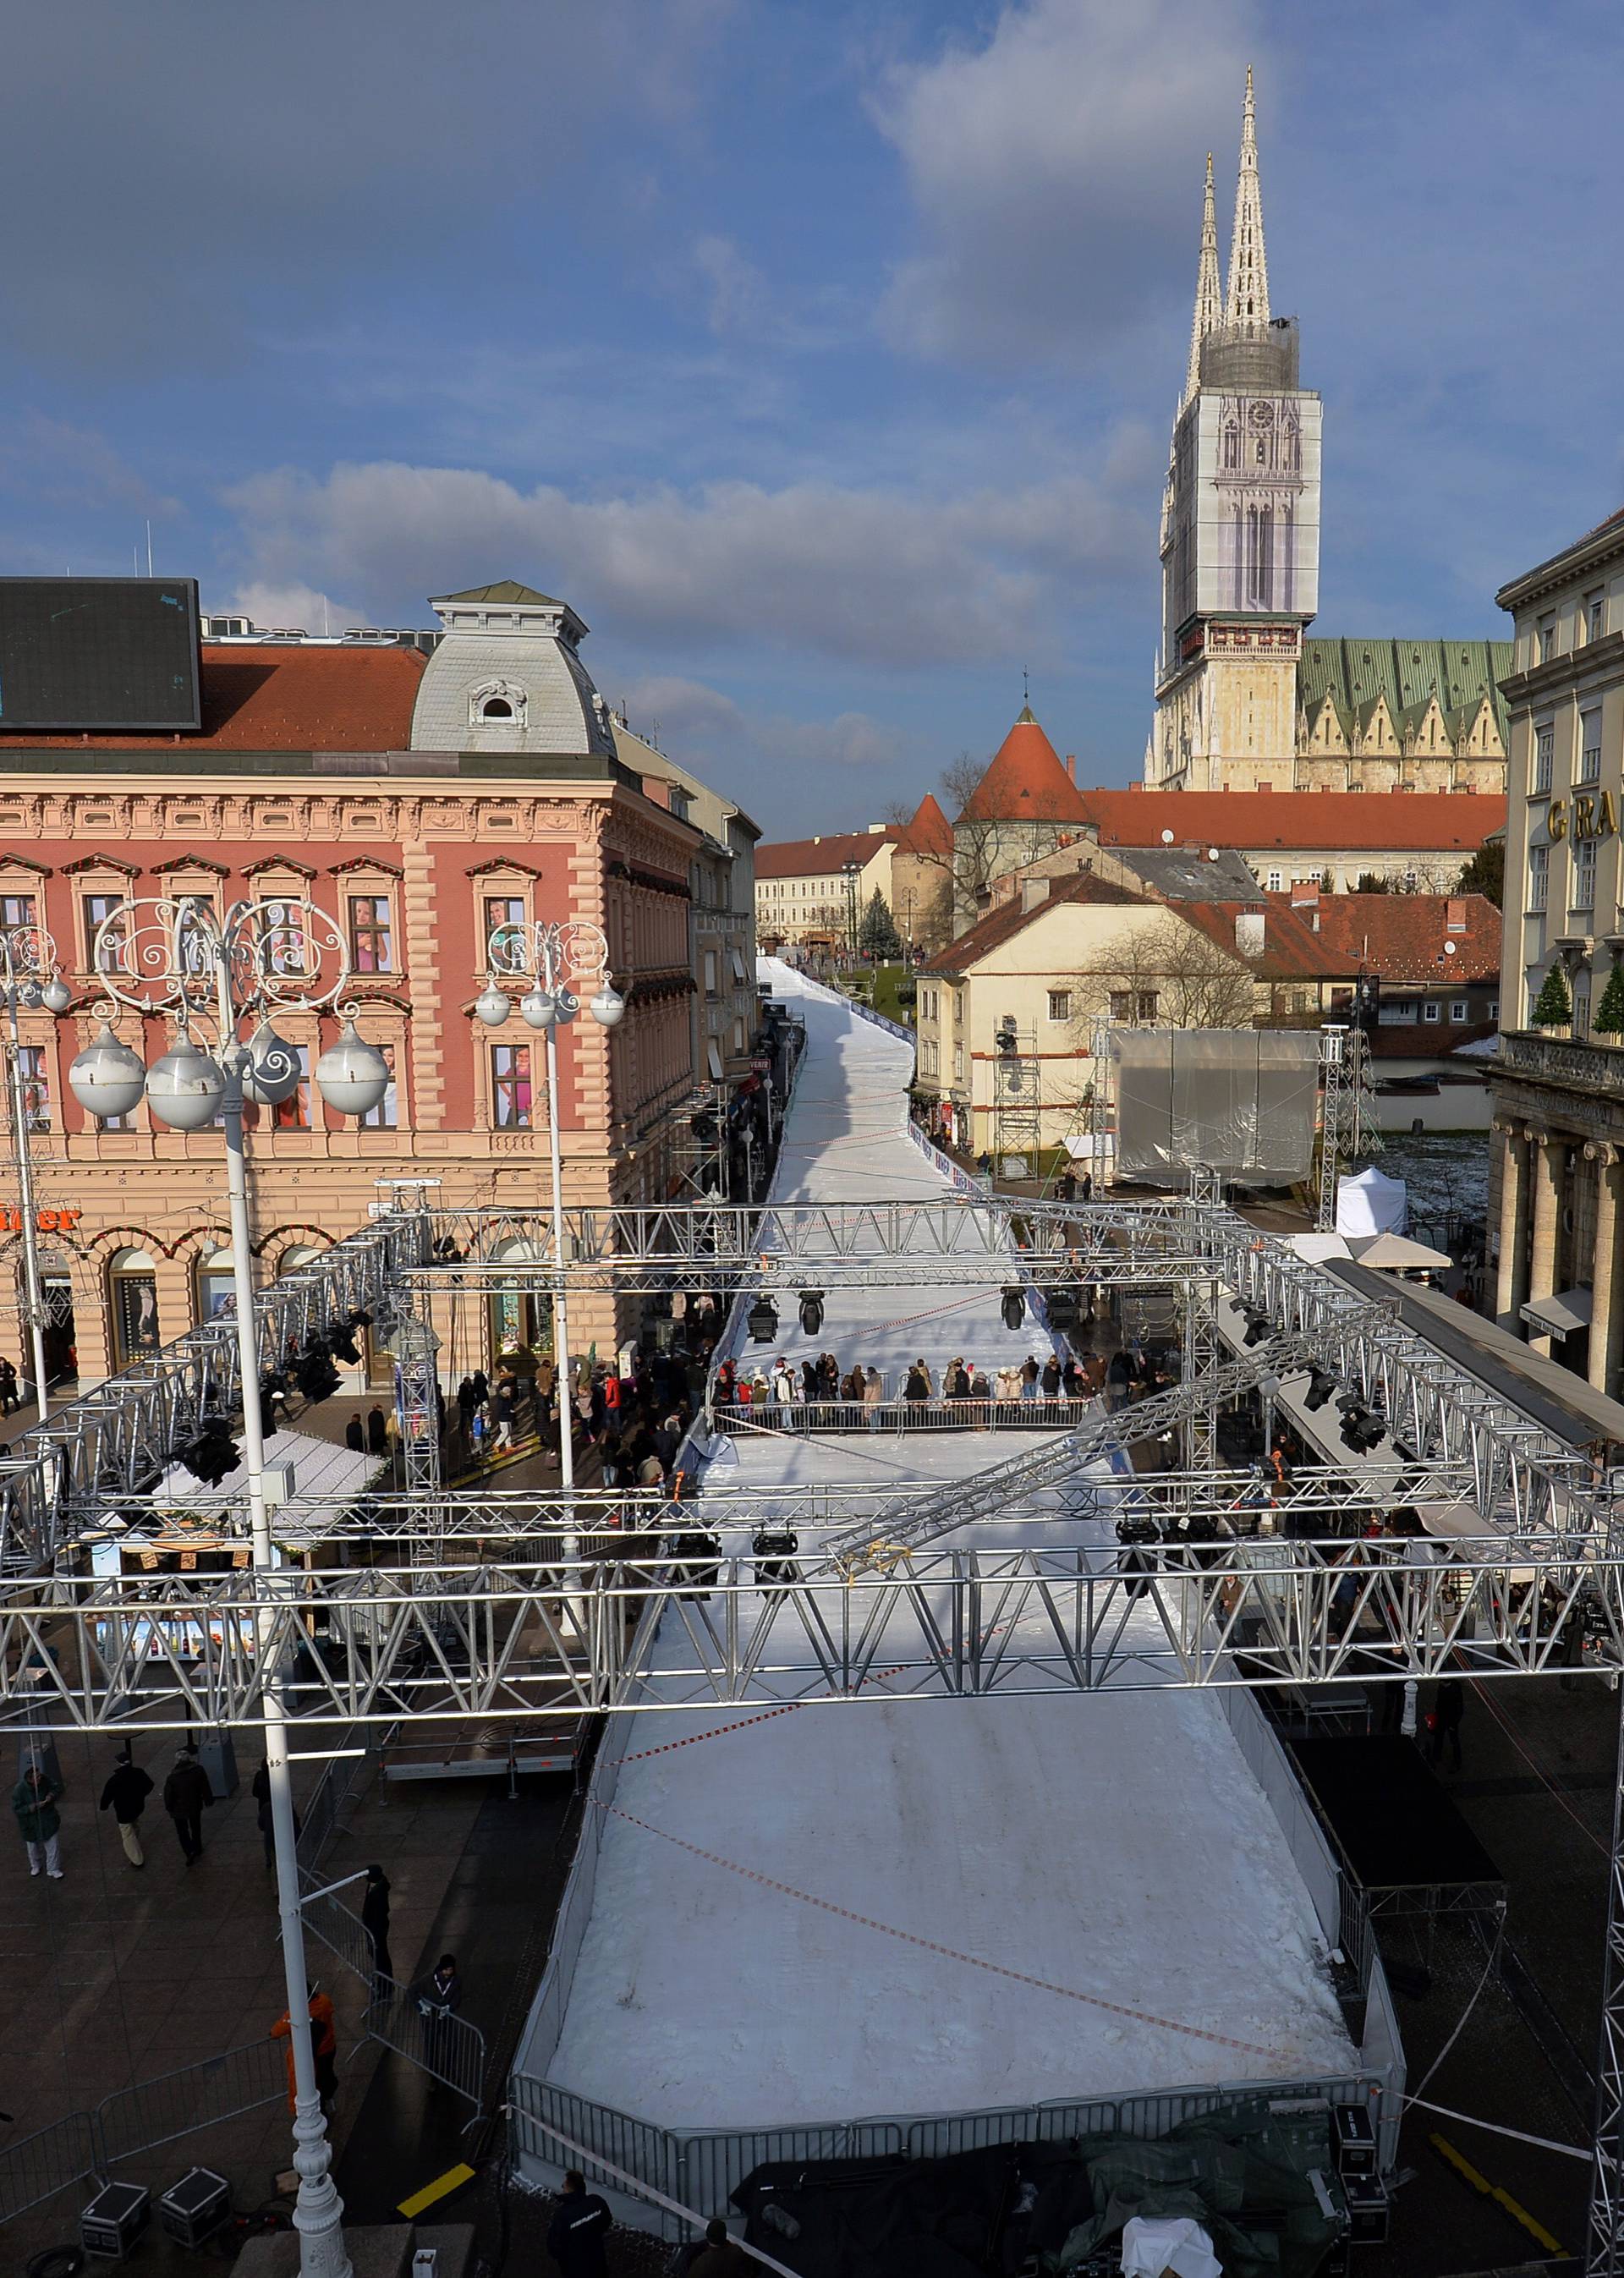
126 1795
35 1799
375 1922
356 1434
1444 1723
576 2233
186 1796
9 1402
262 1820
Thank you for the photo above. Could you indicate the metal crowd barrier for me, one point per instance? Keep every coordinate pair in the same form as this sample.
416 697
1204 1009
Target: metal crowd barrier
901 1416
449 2048
704 2169
85 2146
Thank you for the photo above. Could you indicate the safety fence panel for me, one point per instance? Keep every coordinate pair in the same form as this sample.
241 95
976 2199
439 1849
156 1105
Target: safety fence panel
134 2119
948 2133
800 1417
543 2115
341 1930
37 2167
448 2047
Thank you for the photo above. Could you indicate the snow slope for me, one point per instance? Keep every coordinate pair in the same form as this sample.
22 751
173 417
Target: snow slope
1119 1850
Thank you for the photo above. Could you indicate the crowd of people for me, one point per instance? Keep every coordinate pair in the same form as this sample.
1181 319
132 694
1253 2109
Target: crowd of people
1129 1373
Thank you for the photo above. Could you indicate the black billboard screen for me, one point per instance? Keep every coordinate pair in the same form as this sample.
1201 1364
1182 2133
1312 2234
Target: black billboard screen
107 655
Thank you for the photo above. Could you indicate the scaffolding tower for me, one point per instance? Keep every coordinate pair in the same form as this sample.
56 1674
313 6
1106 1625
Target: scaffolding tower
1017 1105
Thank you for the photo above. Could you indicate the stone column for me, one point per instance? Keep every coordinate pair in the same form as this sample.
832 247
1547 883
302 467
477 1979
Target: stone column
1550 1160
1604 1324
1511 1283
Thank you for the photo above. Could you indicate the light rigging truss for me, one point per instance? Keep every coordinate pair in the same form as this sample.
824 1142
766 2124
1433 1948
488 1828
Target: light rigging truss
498 1626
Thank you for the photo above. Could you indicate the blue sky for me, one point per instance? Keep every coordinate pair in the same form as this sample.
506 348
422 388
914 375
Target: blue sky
823 355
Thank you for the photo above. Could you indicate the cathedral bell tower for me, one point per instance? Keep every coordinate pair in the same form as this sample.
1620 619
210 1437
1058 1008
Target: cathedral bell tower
1240 524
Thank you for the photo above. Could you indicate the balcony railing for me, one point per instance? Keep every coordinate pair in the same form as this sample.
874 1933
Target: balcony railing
1560 1059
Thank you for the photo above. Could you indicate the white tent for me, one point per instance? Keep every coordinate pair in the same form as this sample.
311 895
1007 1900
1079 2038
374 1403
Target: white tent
1367 1203
1315 1249
1395 1252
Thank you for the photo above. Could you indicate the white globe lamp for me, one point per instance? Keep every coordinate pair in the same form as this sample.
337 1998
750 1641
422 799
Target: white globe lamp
107 1078
352 1075
185 1087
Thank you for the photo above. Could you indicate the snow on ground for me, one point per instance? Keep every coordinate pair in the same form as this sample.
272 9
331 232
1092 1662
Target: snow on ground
1117 1848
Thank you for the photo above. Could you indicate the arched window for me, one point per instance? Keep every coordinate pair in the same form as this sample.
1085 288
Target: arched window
496 707
132 1301
214 1288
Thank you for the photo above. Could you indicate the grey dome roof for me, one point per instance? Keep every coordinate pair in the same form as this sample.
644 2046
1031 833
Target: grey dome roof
508 677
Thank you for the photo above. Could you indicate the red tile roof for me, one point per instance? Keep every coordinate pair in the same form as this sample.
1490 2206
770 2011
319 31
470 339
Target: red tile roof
347 697
1009 918
1308 821
1292 950
1025 780
816 858
928 830
1407 936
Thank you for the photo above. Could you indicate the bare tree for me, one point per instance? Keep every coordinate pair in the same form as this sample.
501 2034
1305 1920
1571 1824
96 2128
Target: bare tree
963 876
1172 975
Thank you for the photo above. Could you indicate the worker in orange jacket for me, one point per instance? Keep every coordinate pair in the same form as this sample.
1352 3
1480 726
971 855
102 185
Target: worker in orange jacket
324 2045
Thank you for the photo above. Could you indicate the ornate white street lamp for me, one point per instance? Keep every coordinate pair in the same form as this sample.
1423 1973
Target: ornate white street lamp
30 981
551 956
227 977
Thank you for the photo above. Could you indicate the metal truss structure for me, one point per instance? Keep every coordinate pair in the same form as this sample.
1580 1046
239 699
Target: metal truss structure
436 1606
689 1631
118 1439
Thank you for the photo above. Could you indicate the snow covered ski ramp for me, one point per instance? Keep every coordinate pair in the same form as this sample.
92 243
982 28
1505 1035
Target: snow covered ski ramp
804 1915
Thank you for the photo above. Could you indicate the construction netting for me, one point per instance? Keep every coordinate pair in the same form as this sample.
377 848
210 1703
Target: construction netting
1240 1101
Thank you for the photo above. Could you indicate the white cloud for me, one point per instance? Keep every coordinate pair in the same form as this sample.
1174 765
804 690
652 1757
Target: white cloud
1055 170
886 577
692 718
735 287
273 606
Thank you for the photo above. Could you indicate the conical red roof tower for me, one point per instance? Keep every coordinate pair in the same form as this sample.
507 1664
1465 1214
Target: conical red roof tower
1024 781
928 830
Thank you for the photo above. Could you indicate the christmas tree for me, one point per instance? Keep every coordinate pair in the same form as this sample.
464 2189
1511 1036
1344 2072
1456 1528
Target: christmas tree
1553 1007
877 937
1609 1017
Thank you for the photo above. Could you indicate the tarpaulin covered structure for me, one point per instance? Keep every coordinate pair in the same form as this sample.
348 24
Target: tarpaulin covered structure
1240 1101
1257 2181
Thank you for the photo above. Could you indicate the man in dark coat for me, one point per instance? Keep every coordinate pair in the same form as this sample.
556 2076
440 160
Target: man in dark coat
720 2256
126 1795
377 1432
354 1435
1448 1708
375 1922
186 1796
577 2231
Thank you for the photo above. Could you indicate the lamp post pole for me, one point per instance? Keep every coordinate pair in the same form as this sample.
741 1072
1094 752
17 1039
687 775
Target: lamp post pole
174 957
28 965
551 955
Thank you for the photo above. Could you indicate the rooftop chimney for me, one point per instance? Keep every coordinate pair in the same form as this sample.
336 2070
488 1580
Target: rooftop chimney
1071 765
1034 890
1249 932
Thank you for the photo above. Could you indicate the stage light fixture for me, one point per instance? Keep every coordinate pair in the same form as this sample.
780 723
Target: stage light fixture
1012 1304
763 1321
1321 1385
812 1312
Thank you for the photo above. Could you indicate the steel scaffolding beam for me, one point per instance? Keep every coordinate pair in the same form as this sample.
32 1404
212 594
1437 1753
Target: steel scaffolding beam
690 1632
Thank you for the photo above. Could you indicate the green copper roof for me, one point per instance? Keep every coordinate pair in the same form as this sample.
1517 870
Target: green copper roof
506 591
1407 674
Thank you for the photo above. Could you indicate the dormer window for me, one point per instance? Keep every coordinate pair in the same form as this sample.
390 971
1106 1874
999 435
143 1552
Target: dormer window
496 704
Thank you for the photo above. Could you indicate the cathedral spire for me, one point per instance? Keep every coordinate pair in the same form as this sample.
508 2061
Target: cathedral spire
1248 292
1209 300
